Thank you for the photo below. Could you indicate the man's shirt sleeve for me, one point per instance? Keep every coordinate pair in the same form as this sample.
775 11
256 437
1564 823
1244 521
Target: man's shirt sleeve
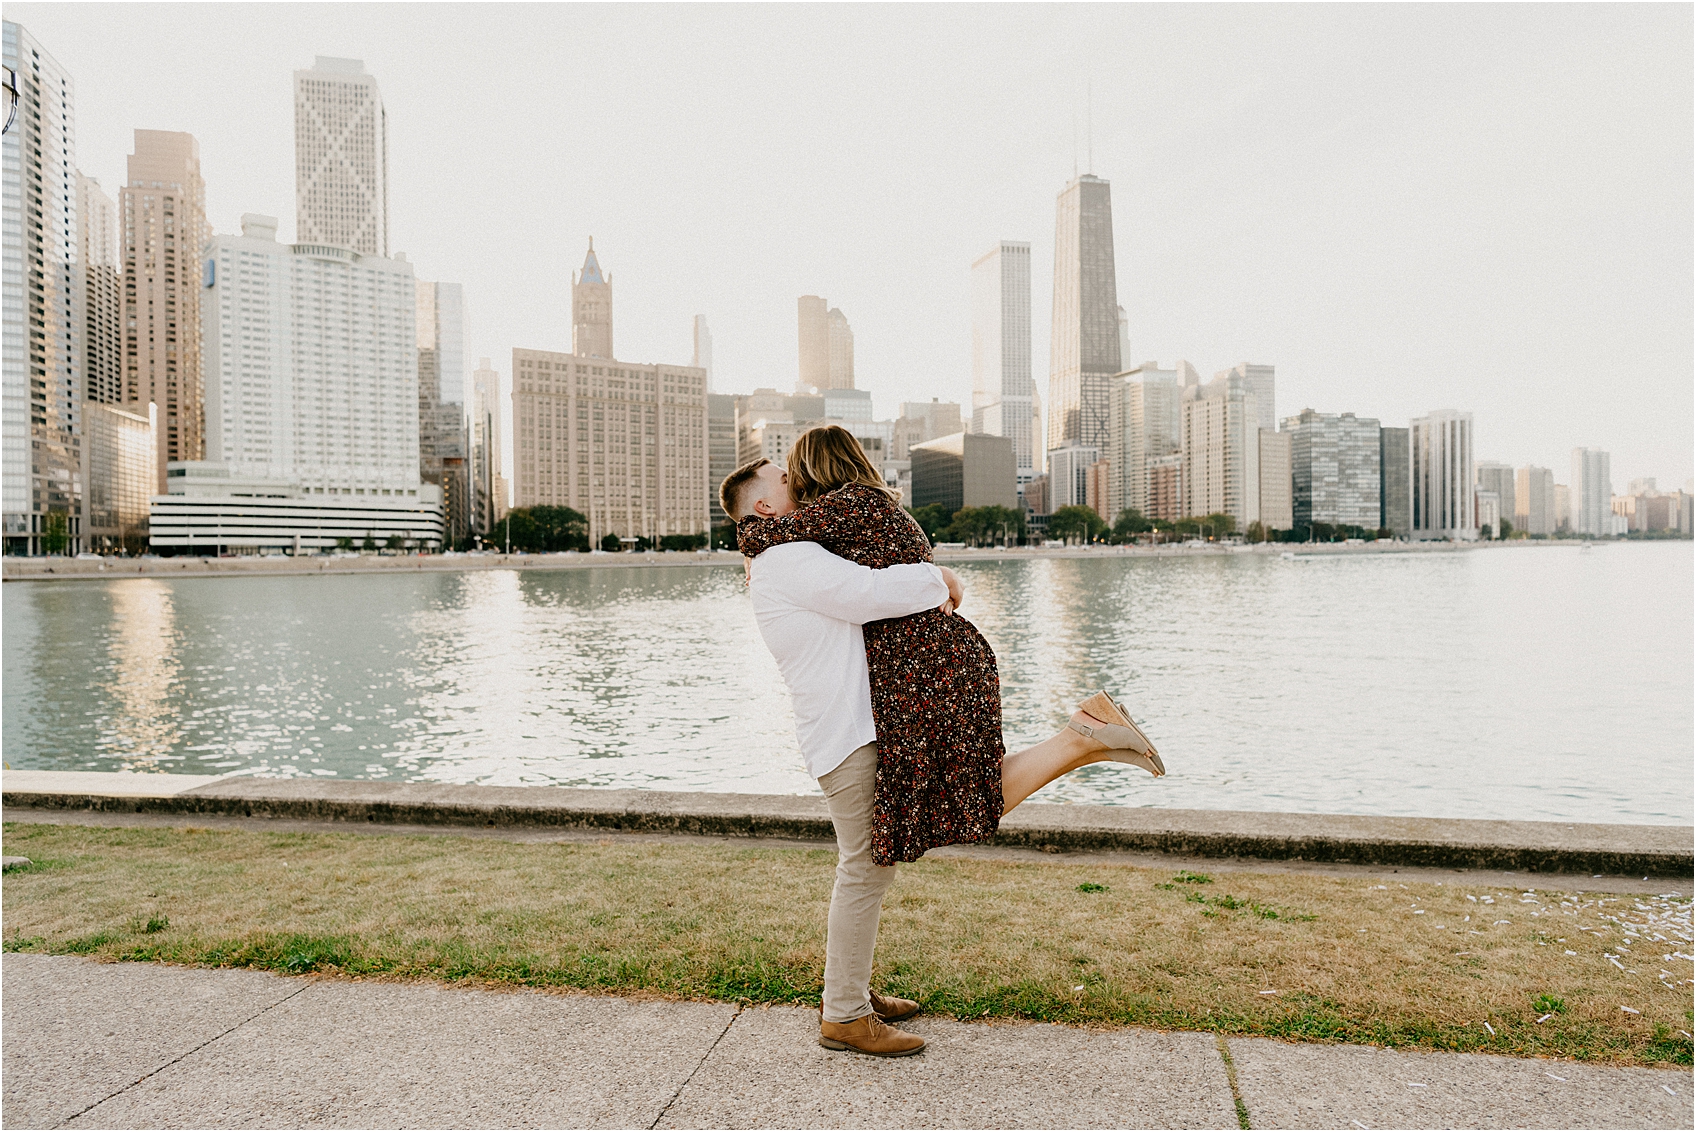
808 576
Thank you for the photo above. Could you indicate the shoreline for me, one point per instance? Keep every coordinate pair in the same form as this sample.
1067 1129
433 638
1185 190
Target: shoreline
1453 843
72 569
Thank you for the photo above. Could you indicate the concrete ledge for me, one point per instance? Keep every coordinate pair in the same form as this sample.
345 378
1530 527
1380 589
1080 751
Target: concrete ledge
1549 847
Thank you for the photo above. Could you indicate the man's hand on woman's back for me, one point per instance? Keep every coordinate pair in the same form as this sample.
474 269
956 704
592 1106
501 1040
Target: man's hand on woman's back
956 592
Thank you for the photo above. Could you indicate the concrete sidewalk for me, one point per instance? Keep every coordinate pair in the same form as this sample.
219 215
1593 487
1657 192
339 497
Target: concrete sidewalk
90 1045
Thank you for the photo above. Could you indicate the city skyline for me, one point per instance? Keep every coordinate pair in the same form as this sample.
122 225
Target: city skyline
1219 274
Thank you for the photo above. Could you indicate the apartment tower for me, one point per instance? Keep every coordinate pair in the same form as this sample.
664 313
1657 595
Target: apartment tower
1004 401
1084 346
163 209
1219 439
1440 476
341 158
1592 491
1534 500
1335 477
101 257
43 372
1143 422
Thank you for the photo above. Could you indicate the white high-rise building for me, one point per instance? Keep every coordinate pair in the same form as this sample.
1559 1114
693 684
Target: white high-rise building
1219 436
100 256
1068 475
42 387
1262 381
311 403
1592 492
1143 427
1004 401
341 158
704 349
1441 484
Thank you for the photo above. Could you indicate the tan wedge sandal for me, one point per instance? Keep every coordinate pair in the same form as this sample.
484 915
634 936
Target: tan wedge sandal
1117 732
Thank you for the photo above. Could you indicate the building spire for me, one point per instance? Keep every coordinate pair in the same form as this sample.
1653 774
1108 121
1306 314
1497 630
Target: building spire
591 266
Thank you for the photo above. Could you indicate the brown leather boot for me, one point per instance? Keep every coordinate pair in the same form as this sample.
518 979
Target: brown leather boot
893 1009
869 1035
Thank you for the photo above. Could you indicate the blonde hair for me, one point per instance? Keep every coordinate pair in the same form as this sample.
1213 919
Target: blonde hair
826 458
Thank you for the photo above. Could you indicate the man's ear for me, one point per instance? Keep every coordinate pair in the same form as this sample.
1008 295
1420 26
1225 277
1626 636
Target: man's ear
763 509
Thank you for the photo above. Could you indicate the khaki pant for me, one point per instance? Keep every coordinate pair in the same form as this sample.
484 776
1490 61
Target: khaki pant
857 900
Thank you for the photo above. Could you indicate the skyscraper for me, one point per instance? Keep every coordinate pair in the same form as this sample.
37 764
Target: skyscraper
100 255
1335 477
1440 477
1219 438
1084 345
444 455
704 349
304 446
1004 399
488 486
43 374
1592 492
721 450
1534 500
1277 481
839 337
812 333
1143 427
341 158
164 219
1262 380
1395 512
1496 477
591 309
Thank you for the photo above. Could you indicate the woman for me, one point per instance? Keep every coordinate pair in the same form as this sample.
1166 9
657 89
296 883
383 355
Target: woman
943 776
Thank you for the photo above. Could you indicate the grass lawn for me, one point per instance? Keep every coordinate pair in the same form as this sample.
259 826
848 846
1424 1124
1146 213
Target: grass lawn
1453 966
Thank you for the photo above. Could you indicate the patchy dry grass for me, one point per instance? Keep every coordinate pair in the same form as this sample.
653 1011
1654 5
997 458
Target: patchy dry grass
1458 966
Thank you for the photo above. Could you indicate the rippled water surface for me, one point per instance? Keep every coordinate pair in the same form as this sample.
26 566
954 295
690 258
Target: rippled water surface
1525 682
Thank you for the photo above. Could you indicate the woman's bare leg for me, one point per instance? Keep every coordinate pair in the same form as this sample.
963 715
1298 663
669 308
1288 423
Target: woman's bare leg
1029 770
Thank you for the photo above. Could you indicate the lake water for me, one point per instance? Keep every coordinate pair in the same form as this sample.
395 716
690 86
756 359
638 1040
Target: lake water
1522 682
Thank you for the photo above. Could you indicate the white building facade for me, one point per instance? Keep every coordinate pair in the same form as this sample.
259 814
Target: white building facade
1592 493
311 394
1441 492
1004 400
1219 439
1142 427
341 158
1068 475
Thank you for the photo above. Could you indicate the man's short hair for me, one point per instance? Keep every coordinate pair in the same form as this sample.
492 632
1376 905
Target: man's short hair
735 487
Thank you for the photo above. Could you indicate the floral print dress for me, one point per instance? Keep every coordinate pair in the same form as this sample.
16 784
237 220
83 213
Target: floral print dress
936 694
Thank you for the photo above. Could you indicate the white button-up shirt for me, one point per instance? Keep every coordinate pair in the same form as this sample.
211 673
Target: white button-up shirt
809 605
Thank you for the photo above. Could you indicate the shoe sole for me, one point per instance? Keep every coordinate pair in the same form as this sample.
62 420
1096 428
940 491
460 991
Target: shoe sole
891 1019
832 1043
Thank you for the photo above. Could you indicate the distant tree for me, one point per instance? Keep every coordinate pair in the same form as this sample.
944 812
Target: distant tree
370 542
55 537
1076 522
344 543
724 537
396 541
545 530
643 542
1257 532
1507 528
682 542
610 542
932 518
1129 524
983 526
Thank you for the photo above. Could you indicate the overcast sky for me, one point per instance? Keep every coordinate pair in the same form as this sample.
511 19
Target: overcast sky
1401 207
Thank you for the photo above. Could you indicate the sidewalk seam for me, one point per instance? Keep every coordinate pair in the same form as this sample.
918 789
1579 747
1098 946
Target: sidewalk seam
740 1007
1231 1078
179 1058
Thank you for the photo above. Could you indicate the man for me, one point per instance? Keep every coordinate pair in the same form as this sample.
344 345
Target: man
809 605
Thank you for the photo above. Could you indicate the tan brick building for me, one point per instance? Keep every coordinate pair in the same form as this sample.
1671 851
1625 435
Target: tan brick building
624 444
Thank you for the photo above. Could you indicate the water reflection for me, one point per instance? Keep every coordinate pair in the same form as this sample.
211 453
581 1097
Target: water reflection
143 647
1521 682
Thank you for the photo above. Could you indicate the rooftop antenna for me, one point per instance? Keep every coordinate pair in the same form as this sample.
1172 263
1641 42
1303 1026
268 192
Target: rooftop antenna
1089 111
1074 145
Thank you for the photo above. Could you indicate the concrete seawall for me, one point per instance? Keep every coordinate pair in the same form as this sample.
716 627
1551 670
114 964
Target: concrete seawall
1546 847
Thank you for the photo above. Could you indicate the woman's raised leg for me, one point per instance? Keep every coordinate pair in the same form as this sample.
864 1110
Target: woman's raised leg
1025 772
